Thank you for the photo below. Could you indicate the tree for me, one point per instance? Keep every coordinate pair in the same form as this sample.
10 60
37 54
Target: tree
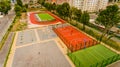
72 12
19 2
108 18
85 19
58 9
26 5
53 7
48 6
24 9
77 14
65 8
18 10
5 7
110 0
42 2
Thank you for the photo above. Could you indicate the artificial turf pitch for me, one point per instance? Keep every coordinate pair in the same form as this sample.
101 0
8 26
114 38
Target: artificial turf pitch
96 56
45 17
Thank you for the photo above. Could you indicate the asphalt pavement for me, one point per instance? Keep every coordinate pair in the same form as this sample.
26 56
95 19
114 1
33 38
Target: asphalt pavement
5 23
5 49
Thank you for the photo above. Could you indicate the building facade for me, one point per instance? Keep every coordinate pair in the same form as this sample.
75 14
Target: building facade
85 5
89 5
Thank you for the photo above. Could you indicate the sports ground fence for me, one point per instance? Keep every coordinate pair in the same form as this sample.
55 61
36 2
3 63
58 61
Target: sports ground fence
77 46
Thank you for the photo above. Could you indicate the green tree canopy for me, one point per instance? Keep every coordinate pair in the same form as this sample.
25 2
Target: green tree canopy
19 2
58 9
63 9
85 19
77 14
5 6
41 2
72 12
53 6
110 0
18 10
108 18
49 6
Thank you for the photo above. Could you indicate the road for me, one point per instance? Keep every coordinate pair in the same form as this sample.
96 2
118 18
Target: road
5 23
5 49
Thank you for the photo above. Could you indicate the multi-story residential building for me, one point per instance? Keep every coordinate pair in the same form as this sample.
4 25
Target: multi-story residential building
89 5
85 5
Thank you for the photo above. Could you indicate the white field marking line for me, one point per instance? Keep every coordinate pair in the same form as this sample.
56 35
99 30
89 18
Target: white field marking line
34 43
64 52
38 17
12 52
36 33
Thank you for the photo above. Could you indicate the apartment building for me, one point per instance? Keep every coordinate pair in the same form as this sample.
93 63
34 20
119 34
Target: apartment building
89 5
85 5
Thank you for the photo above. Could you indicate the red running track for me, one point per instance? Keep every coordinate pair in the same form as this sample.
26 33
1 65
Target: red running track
35 21
74 39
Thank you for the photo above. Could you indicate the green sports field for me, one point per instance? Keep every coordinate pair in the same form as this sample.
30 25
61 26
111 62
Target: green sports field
96 56
45 17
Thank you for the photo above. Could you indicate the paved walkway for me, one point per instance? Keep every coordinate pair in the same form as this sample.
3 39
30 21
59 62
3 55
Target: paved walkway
60 44
64 50
5 49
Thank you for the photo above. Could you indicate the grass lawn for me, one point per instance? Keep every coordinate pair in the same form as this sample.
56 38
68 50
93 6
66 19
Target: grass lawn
96 56
45 17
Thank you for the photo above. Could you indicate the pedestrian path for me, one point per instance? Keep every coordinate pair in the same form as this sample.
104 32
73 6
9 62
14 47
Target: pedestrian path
16 49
